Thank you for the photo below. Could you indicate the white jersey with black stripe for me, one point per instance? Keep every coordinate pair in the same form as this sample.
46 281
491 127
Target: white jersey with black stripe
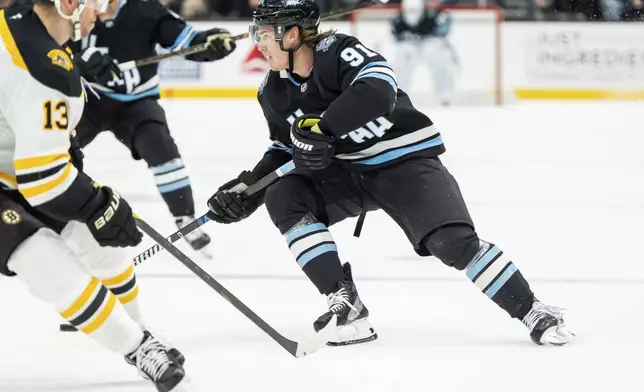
35 118
41 102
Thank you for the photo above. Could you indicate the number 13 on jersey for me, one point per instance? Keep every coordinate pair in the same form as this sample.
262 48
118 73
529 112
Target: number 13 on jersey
55 116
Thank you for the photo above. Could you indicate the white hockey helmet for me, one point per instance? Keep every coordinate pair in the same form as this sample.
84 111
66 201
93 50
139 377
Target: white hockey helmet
413 10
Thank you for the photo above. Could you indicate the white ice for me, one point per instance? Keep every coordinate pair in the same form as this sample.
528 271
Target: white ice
559 187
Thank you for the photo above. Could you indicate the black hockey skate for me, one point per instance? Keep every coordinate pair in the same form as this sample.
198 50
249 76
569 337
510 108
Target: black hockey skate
546 325
153 362
173 354
197 238
353 326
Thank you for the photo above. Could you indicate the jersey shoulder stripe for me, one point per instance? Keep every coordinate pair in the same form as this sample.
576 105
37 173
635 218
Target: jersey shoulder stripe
10 43
32 49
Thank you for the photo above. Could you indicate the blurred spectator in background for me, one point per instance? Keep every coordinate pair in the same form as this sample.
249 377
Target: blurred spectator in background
612 10
628 10
238 9
636 11
540 10
589 10
563 10
210 9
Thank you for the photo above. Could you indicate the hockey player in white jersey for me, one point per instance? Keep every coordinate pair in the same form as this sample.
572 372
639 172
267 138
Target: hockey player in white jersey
421 33
62 234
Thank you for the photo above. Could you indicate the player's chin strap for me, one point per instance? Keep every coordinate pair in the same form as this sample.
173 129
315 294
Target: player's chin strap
291 55
74 17
291 51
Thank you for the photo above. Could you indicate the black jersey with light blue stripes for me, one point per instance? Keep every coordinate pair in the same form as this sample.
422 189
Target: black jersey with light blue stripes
135 33
356 92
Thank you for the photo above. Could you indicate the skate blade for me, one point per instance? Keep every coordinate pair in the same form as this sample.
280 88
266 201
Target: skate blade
360 331
320 340
184 386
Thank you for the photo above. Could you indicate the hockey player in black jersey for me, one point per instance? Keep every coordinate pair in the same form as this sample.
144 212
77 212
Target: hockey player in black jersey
127 102
422 32
334 107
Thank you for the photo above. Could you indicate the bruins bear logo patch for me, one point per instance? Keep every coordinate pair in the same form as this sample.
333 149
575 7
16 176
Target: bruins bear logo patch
61 59
10 217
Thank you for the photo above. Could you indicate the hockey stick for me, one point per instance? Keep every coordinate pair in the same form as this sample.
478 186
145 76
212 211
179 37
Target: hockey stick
202 47
297 349
256 187
183 52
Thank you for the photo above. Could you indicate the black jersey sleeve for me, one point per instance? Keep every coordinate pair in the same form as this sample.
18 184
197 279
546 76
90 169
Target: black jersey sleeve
170 30
366 80
278 153
73 47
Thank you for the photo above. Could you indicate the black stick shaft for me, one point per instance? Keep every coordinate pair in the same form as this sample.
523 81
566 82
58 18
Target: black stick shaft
176 236
287 344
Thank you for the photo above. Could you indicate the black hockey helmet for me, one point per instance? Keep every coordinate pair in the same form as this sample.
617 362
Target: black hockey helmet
284 14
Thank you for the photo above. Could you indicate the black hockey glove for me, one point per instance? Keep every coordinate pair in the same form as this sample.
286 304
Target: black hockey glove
312 150
219 43
229 204
98 67
112 223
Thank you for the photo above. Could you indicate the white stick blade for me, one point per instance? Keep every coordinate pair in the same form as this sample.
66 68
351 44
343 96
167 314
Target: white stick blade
318 341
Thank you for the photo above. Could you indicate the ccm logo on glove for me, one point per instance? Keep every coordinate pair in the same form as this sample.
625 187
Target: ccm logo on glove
109 212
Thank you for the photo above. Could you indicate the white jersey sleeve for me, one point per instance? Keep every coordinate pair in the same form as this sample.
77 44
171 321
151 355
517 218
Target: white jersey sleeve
41 102
41 119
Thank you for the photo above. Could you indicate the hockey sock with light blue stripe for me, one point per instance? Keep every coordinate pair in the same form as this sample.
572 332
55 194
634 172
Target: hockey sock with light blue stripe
174 186
500 280
316 253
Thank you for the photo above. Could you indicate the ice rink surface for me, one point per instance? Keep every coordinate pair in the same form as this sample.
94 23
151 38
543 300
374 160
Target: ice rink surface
558 186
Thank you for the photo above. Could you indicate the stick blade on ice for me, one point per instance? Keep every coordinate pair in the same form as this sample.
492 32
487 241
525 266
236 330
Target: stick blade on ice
320 340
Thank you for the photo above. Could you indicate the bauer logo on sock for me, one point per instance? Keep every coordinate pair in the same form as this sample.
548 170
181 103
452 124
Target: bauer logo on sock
10 217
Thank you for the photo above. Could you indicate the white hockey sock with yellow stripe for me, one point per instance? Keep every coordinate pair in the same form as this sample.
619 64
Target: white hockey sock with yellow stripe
123 285
111 266
54 274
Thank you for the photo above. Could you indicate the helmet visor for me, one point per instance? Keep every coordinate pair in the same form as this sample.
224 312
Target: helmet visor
265 34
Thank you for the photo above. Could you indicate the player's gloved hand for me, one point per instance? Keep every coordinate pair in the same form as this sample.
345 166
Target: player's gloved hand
219 44
75 151
229 204
98 67
312 150
112 223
